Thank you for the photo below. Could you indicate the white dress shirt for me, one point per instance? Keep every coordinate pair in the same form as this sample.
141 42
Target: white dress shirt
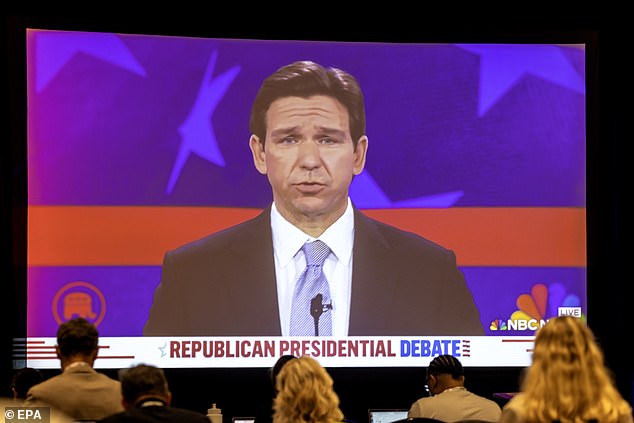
290 263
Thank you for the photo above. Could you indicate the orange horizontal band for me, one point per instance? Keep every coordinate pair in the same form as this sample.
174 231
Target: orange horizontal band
139 236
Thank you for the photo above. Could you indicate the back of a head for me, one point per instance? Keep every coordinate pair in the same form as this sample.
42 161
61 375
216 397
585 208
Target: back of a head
569 364
275 370
565 347
446 364
305 394
143 380
77 336
305 79
23 379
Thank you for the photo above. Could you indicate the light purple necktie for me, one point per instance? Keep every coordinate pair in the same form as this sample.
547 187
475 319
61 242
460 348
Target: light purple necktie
311 309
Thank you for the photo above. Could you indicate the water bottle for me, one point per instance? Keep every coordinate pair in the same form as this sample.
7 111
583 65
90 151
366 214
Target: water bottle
214 414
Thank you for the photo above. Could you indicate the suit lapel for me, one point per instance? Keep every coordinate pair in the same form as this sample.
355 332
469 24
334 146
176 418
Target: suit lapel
255 290
372 281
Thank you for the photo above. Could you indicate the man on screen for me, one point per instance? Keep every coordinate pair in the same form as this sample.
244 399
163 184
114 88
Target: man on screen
355 277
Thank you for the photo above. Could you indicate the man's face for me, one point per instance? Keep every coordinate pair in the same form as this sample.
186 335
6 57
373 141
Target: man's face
309 157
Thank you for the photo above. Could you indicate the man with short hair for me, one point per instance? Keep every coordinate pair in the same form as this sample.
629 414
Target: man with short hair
450 400
23 380
79 391
147 398
311 263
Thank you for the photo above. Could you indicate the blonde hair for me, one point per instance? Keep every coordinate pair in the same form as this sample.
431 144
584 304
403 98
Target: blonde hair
568 380
305 394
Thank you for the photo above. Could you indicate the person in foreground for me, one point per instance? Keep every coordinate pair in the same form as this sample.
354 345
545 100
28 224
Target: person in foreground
567 381
79 391
305 394
147 398
23 379
308 137
450 400
277 367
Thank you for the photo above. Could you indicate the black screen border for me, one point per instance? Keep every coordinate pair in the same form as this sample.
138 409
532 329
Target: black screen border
605 134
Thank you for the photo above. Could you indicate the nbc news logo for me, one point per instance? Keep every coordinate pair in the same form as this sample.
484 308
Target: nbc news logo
531 324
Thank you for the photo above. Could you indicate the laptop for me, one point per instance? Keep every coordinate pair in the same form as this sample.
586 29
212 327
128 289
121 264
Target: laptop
376 415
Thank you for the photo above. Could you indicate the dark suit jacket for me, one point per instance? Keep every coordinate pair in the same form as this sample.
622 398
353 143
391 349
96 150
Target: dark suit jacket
157 414
224 285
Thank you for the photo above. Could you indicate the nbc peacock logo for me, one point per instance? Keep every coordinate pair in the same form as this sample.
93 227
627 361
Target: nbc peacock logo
537 306
498 324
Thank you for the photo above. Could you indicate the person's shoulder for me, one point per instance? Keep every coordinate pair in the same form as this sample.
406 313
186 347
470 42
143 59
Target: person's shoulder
241 232
489 404
517 399
515 404
162 414
397 236
421 407
425 400
49 384
512 412
88 373
185 415
108 380
484 399
44 391
117 418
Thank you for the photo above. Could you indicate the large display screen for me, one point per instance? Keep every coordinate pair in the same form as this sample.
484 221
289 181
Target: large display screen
138 144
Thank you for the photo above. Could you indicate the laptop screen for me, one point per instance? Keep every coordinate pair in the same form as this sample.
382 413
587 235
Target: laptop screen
386 416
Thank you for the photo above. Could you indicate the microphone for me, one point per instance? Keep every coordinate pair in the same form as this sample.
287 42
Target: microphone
317 308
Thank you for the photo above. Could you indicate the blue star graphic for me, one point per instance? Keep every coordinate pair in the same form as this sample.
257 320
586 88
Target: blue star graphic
197 134
366 193
502 66
54 49
162 349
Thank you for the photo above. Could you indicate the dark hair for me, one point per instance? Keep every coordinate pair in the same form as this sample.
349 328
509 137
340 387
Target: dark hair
23 379
142 379
305 79
77 336
275 370
445 364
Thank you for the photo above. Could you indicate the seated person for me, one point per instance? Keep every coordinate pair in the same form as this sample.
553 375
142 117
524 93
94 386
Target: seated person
305 394
79 391
568 380
450 400
22 381
275 370
146 398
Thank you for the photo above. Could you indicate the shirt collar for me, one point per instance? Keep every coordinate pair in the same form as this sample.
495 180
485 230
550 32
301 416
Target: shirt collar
151 402
339 236
78 367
